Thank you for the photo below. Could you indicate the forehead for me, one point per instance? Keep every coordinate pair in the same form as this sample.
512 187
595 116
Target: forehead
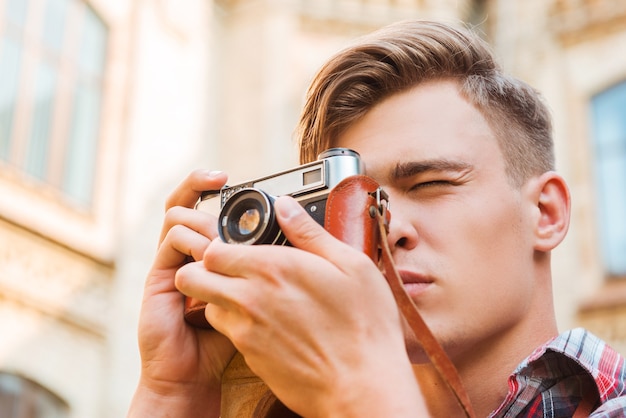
431 121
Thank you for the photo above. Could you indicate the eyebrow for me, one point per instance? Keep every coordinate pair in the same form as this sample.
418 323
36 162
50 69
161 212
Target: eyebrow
412 168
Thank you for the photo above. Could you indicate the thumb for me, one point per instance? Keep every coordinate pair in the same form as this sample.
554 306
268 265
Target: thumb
302 230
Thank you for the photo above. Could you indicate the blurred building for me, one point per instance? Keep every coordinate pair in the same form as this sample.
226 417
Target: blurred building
106 104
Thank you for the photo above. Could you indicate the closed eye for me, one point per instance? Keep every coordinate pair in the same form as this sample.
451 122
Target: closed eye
432 183
431 174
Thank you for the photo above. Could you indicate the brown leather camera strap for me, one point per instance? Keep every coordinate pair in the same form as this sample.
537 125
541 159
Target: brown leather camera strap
431 346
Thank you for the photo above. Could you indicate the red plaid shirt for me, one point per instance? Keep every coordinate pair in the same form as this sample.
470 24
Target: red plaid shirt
551 382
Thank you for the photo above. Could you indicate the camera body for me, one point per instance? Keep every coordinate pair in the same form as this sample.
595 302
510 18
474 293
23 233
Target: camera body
245 211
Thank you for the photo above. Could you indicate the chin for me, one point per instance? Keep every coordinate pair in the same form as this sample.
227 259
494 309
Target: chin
414 349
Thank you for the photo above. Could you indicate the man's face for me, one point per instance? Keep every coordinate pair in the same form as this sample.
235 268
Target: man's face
461 235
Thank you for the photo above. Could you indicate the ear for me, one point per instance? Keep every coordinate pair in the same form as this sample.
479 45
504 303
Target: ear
552 199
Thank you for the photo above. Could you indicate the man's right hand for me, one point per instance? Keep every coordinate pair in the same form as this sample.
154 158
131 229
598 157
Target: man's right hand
181 366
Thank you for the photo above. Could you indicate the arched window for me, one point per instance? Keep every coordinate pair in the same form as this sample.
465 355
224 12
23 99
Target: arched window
609 139
23 398
52 55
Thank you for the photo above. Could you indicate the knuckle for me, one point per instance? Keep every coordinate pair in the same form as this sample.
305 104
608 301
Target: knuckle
174 214
241 335
212 254
177 231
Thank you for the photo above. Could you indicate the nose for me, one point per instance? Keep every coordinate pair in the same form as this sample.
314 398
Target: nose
402 233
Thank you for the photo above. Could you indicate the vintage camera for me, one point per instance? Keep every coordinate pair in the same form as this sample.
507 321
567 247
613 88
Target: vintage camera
332 190
246 210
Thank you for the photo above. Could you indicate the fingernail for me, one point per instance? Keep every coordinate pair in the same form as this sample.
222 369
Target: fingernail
214 173
287 207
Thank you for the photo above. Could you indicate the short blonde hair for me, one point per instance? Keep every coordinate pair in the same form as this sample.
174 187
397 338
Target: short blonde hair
404 54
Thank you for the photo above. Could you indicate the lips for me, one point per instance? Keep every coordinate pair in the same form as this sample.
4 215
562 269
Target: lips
415 283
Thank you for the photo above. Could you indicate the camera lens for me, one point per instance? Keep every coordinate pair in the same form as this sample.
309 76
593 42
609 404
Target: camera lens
244 219
248 218
249 221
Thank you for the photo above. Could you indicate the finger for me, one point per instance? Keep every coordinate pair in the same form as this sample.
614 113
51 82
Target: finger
201 222
188 191
301 230
226 295
244 261
179 244
304 232
237 307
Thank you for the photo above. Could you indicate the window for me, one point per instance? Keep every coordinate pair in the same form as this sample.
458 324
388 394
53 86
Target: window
52 56
23 398
609 138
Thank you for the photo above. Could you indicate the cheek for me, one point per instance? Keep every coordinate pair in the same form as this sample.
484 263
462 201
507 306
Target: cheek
485 277
483 225
498 263
482 244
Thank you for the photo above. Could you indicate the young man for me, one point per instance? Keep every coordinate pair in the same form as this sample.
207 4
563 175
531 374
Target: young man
465 153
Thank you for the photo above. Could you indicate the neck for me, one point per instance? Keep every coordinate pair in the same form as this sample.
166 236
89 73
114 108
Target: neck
484 375
484 370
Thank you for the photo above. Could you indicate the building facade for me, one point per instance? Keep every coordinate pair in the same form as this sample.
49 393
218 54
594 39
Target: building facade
105 105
